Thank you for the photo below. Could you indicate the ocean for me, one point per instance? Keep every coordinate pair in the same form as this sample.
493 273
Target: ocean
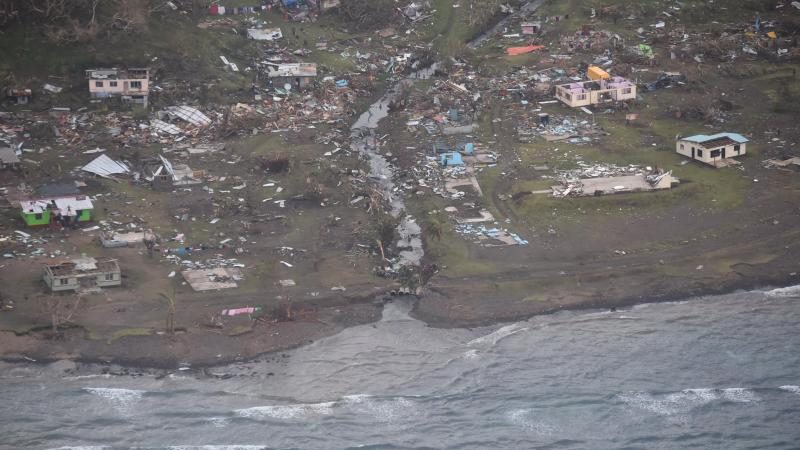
717 372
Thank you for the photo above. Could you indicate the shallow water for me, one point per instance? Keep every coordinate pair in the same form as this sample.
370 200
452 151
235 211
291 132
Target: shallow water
712 373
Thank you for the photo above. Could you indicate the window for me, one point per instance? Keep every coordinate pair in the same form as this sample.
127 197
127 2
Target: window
112 84
109 277
63 281
38 216
736 148
98 84
715 153
626 91
582 97
699 153
136 84
681 146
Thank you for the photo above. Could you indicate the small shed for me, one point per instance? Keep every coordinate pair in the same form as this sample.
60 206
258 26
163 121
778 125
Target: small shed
19 96
451 159
8 158
716 149
531 27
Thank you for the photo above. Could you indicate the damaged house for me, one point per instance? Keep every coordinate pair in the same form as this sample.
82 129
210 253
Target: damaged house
164 175
63 211
594 92
716 149
83 272
131 85
296 75
19 96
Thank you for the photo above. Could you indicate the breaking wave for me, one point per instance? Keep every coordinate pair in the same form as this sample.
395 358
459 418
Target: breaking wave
789 291
382 409
498 335
790 388
527 419
122 399
686 400
287 412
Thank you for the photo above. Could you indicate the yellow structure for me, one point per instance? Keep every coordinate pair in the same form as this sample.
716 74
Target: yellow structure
595 73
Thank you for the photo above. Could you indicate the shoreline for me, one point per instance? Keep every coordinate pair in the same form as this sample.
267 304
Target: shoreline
164 364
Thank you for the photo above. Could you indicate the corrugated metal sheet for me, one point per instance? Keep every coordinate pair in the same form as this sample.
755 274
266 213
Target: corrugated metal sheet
105 166
189 114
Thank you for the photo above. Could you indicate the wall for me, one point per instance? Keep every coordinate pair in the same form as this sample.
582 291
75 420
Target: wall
102 282
56 286
119 89
31 220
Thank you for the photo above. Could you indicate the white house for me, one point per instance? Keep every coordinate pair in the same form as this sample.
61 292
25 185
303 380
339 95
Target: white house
716 149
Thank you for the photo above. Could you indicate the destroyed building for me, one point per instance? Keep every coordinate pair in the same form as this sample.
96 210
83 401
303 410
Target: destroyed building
594 92
8 158
19 96
131 85
296 75
62 211
529 28
83 272
716 149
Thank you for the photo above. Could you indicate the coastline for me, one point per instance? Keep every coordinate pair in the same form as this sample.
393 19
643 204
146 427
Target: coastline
156 359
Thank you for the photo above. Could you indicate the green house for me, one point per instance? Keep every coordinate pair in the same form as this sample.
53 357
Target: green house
66 210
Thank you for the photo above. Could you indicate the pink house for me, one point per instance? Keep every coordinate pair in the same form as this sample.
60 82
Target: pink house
131 85
585 93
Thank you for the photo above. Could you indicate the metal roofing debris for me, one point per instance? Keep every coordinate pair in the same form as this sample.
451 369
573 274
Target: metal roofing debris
105 166
212 279
293 70
189 114
164 127
8 155
265 34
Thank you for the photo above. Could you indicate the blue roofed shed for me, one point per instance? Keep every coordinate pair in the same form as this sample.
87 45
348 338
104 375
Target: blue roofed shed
716 149
451 159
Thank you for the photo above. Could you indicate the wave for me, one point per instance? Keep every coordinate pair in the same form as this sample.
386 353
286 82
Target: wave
526 419
286 412
790 388
685 400
789 291
122 399
381 409
498 335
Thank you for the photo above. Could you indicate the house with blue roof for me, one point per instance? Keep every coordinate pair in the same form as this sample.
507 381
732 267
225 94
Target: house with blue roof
717 150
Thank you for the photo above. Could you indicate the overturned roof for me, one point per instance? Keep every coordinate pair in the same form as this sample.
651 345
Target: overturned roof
264 34
8 155
189 114
105 166
717 140
293 70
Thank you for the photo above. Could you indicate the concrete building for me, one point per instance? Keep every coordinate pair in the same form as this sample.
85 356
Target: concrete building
716 149
84 272
595 92
131 85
